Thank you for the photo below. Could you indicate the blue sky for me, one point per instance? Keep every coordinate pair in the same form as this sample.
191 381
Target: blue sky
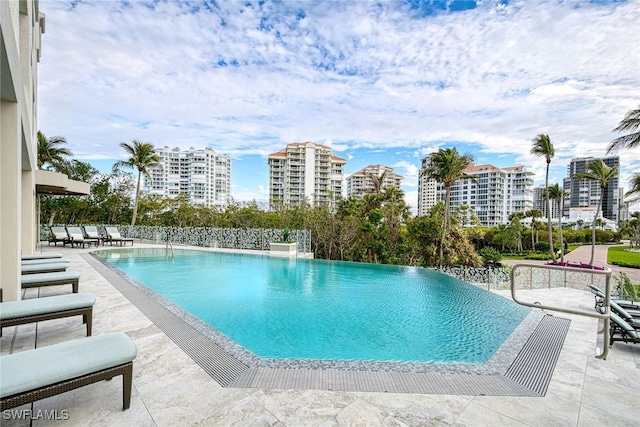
379 81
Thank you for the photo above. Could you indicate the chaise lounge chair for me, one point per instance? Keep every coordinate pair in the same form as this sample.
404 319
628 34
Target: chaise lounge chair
44 261
600 296
42 256
51 279
39 309
91 232
32 375
50 267
58 234
632 317
622 331
113 235
76 237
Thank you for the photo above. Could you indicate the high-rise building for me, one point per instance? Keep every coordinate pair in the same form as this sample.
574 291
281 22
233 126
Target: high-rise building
305 170
371 179
427 189
540 203
584 193
202 174
492 193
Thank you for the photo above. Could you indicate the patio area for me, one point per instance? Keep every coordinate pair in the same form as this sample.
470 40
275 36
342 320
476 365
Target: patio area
169 388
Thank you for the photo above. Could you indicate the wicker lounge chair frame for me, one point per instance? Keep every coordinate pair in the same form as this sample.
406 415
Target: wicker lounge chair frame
625 331
126 370
74 282
85 312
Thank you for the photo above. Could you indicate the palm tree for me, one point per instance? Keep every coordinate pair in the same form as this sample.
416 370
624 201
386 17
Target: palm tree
556 193
533 213
634 193
50 151
631 122
543 147
142 157
377 181
597 170
447 166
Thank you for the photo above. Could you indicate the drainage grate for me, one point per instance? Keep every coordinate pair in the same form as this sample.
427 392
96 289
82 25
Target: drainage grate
534 365
528 375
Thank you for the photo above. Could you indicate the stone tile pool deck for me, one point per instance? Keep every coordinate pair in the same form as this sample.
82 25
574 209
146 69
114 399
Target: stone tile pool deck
170 389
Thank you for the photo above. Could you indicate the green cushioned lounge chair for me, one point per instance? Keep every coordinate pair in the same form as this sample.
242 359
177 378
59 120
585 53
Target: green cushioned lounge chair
44 261
14 313
51 279
600 296
32 375
622 331
42 256
44 268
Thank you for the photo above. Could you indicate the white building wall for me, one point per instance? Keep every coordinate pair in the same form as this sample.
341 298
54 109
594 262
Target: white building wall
310 171
21 25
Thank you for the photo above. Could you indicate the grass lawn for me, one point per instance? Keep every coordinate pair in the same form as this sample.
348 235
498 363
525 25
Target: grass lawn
618 256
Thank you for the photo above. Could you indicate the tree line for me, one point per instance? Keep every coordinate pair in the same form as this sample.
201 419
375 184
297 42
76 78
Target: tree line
378 227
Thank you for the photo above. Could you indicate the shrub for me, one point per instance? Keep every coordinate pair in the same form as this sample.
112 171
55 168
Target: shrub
542 247
490 254
626 289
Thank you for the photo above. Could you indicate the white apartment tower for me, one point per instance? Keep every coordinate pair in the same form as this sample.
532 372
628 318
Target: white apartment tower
493 193
305 170
202 174
367 179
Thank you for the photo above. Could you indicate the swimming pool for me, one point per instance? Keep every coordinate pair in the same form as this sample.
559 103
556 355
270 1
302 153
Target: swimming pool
321 310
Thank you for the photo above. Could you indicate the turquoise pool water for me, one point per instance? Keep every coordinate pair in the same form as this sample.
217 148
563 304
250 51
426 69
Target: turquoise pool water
326 310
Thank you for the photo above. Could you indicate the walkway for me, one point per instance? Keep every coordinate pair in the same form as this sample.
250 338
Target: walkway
170 389
583 254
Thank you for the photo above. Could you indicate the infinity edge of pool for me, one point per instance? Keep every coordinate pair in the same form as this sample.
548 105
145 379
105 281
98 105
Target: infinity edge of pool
498 363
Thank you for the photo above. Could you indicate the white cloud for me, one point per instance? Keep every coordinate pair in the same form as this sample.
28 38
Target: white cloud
249 79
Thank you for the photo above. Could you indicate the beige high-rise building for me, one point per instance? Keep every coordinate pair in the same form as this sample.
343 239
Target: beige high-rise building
202 174
367 179
493 193
22 25
305 170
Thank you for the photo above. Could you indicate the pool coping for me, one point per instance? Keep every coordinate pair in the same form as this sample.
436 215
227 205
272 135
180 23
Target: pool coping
231 365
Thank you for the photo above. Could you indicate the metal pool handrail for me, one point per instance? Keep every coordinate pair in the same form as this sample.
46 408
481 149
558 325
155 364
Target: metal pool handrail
604 316
169 246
